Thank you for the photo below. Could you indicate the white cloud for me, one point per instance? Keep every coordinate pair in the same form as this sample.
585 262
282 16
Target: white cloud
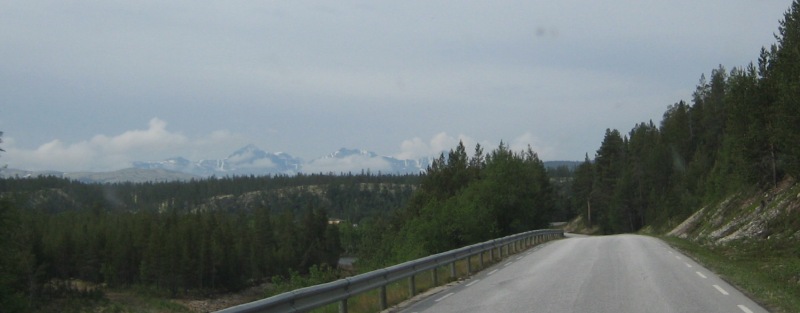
246 161
526 140
155 137
104 153
350 164
241 157
416 148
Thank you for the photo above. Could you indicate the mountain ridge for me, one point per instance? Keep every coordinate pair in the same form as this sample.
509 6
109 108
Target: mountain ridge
250 160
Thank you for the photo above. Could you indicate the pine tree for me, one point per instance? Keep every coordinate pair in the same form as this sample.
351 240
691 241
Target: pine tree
609 165
787 83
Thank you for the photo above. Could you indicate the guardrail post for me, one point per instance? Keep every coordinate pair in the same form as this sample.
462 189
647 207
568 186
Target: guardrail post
315 296
384 302
412 285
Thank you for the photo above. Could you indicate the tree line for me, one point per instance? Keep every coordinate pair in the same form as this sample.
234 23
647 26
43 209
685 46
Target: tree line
741 129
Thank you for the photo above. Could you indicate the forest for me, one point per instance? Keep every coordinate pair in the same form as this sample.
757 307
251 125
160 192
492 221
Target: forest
205 236
740 130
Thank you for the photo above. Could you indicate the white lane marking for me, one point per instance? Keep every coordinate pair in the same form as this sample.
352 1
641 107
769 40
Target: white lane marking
507 264
492 272
721 290
701 275
473 282
519 258
745 309
444 297
687 265
670 252
678 257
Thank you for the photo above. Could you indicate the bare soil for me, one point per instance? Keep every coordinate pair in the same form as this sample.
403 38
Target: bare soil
223 301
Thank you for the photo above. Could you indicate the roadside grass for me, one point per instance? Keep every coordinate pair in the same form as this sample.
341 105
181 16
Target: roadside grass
766 270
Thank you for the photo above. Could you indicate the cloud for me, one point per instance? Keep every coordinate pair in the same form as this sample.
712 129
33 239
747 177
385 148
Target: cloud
248 160
105 153
349 164
130 142
526 140
416 148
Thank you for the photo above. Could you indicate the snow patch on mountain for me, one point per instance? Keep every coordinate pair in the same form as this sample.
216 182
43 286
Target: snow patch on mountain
251 160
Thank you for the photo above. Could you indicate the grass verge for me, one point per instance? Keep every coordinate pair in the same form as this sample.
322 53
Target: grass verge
766 270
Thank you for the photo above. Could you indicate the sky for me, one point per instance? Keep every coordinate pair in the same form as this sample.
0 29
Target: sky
96 85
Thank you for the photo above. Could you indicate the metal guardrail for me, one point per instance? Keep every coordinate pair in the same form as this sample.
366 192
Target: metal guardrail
305 299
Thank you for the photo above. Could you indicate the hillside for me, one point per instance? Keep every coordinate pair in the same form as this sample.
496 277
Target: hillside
750 239
755 216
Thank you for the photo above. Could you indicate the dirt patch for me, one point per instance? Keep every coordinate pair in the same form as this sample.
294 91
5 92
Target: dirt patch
224 301
682 230
578 226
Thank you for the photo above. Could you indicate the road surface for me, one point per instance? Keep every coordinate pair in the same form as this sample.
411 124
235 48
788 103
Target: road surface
609 274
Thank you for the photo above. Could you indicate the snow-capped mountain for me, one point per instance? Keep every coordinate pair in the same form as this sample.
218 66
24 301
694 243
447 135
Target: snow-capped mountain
250 160
355 161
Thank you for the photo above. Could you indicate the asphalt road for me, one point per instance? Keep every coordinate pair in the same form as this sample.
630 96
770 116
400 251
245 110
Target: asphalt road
619 274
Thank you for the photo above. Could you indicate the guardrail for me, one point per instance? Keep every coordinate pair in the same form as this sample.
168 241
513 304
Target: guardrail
305 299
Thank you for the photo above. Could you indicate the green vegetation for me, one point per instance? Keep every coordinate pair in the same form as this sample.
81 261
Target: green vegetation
179 239
741 130
464 200
769 271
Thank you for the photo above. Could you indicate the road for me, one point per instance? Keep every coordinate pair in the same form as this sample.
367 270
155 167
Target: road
619 274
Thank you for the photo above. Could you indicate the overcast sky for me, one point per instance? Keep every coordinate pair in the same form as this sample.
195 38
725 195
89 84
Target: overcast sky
95 85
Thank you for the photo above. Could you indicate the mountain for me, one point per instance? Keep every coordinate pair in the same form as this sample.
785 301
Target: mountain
251 160
355 161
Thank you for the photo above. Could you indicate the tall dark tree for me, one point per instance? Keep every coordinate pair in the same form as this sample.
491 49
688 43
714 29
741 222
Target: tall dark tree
582 189
609 164
786 76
